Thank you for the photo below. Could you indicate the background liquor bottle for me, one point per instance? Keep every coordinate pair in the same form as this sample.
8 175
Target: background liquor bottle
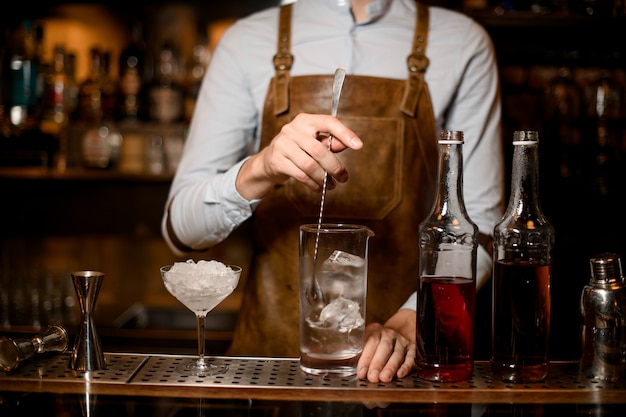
25 80
201 55
563 108
522 274
604 118
109 87
72 83
101 141
96 92
57 104
165 95
448 242
130 102
56 99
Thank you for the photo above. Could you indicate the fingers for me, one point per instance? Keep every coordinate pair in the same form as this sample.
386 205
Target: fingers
390 365
373 333
386 354
295 157
409 361
299 151
328 126
311 159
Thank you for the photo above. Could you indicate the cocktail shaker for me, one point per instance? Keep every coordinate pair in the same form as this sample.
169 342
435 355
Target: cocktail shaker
603 307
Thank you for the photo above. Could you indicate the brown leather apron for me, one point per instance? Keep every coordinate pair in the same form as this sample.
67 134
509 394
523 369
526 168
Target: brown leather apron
390 190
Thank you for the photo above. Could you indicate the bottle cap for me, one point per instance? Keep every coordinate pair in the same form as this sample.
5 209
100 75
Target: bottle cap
525 137
451 137
606 268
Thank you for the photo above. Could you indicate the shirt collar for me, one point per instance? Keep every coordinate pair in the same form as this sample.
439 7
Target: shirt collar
375 9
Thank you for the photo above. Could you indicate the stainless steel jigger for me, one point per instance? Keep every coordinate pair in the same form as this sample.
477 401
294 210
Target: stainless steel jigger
15 351
87 352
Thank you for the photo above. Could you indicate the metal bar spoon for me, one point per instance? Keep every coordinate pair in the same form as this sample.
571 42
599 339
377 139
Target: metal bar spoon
315 294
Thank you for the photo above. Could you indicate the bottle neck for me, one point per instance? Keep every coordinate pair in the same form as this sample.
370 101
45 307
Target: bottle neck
59 61
450 193
525 179
448 237
95 70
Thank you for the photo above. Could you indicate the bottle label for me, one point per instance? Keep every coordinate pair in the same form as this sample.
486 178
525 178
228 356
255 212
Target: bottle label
130 83
24 75
166 104
96 149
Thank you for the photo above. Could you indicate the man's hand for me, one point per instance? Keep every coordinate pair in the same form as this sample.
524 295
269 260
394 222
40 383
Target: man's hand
389 349
300 151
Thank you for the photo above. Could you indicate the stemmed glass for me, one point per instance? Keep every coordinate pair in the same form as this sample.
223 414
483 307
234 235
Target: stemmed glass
200 287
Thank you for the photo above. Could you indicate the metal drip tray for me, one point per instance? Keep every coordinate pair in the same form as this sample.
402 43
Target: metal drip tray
282 379
120 369
242 372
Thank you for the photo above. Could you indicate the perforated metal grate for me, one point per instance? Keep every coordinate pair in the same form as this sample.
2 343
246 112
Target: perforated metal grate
287 373
120 368
146 370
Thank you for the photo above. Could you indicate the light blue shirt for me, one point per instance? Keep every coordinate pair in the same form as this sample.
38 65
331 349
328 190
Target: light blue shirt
462 78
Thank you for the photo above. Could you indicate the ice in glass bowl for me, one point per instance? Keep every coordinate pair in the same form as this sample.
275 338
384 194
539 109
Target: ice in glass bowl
200 286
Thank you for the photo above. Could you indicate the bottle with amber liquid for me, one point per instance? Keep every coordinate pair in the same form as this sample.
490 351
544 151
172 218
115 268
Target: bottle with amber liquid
448 243
96 93
101 141
522 273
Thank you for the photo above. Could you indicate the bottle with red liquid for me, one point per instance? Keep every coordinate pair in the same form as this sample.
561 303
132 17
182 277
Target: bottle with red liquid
448 241
522 273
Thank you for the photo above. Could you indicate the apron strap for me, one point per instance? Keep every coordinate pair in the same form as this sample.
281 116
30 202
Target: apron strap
417 63
283 60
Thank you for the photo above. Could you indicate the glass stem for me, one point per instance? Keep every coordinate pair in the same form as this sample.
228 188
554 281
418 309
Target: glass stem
201 347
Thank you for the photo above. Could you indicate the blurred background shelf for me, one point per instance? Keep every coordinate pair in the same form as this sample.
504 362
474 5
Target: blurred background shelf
58 220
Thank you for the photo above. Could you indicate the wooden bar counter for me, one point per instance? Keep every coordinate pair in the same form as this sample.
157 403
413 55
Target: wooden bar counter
279 382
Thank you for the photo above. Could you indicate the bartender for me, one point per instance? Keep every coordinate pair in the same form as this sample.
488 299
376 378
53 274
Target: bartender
257 150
